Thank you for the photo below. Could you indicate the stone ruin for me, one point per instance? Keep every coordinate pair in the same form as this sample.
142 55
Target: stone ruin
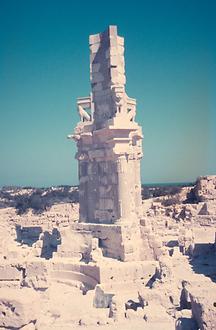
136 263
109 144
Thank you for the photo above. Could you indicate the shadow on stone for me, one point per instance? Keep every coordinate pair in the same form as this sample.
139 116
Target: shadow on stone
27 235
50 243
31 236
184 323
203 260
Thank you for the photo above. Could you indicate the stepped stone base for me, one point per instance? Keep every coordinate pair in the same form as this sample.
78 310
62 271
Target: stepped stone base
121 241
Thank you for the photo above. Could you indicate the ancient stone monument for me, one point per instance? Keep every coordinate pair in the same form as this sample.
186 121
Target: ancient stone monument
109 144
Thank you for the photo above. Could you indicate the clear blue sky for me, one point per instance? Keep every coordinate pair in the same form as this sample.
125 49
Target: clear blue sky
44 67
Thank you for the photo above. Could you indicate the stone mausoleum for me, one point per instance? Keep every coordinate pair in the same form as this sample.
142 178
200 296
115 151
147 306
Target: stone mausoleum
109 143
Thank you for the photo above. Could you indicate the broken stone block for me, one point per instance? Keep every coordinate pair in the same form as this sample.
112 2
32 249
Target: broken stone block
208 208
36 275
94 38
203 308
75 244
101 298
120 41
205 188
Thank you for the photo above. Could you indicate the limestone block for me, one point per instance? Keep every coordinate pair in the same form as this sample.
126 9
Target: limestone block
203 305
114 178
97 87
36 275
36 267
103 216
129 248
113 31
208 208
128 272
93 58
114 73
97 77
95 67
120 41
97 153
97 253
121 72
117 308
94 38
9 272
108 204
122 61
205 188
113 42
112 51
94 47
76 243
120 50
165 269
103 108
101 298
114 60
122 79
104 180
98 96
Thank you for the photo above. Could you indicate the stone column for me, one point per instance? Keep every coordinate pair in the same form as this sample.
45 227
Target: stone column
137 188
123 190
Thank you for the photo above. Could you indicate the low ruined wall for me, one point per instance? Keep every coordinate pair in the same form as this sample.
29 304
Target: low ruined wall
203 303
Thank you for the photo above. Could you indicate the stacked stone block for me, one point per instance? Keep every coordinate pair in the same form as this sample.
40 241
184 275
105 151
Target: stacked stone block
110 148
107 72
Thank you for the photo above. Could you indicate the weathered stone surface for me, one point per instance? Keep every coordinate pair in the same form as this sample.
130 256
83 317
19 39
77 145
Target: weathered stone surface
205 188
17 310
203 305
109 162
117 309
155 313
9 272
75 244
208 208
36 275
101 298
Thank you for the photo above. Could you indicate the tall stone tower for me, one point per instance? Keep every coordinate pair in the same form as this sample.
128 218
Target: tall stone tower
109 141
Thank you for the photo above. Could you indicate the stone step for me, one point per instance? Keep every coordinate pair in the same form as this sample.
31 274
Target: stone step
74 276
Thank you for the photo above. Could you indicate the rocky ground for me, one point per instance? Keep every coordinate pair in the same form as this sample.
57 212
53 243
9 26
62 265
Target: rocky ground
179 223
